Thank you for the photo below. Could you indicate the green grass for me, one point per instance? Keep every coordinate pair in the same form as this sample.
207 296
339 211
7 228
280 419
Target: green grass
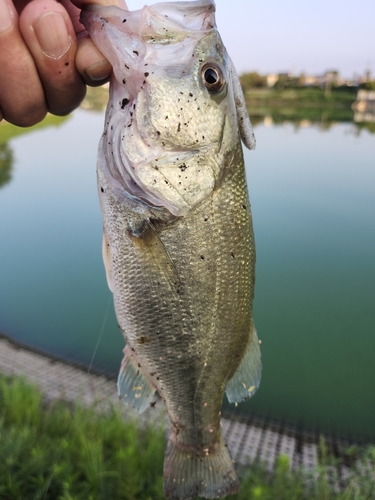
63 453
338 98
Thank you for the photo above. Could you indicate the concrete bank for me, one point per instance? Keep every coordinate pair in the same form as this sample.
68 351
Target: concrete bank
249 438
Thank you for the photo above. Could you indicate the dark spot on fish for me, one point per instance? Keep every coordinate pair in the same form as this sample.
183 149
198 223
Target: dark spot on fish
158 132
59 72
166 117
232 254
136 52
67 63
166 181
124 20
102 190
146 74
179 127
244 206
183 167
157 378
124 103
190 94
124 81
153 404
111 127
134 106
202 257
205 219
144 340
126 66
129 125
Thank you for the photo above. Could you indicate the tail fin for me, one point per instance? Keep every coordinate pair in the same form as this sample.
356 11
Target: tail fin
190 472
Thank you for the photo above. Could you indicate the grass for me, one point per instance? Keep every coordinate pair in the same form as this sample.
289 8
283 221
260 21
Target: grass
63 453
302 96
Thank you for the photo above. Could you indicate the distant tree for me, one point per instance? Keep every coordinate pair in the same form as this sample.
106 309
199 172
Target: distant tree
286 81
253 80
301 80
370 85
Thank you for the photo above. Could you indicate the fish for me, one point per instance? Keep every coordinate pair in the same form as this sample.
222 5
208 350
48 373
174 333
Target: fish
178 243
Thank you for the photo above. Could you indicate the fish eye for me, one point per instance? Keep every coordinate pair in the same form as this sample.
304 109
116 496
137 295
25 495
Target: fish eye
212 77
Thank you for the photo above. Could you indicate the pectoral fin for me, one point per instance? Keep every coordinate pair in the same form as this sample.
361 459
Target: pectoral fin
156 262
133 385
246 380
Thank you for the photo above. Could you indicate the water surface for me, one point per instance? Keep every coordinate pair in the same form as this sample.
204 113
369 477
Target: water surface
312 194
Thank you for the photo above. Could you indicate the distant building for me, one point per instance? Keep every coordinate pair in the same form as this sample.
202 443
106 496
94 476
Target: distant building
365 101
364 106
272 79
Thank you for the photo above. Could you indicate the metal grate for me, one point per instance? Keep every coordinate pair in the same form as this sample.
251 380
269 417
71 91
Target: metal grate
250 438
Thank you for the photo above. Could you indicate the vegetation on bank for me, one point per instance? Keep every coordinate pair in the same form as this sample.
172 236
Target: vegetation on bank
63 453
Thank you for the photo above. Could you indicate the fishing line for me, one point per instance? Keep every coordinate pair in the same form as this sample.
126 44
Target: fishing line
88 372
100 335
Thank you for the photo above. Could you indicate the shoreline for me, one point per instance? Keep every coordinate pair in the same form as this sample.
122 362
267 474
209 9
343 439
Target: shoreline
249 437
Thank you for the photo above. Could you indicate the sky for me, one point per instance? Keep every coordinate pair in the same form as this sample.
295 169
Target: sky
296 36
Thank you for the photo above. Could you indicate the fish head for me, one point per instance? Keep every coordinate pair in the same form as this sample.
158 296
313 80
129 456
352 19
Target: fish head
172 123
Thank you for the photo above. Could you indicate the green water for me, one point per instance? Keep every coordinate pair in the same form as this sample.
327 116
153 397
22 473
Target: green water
312 193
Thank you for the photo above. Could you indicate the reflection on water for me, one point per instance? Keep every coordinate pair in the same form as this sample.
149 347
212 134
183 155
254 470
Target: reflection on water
8 132
303 117
312 195
6 164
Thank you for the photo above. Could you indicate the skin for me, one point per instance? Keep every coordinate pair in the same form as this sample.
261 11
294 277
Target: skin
46 58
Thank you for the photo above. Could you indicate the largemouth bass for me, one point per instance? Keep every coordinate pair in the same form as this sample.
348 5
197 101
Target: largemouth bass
178 241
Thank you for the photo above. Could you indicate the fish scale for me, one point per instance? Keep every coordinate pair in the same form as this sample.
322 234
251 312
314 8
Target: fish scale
178 242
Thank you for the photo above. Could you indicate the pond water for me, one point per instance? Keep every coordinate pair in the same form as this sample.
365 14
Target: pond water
312 193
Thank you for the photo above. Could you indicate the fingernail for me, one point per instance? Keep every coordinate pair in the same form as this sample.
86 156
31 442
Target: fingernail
99 71
52 35
6 15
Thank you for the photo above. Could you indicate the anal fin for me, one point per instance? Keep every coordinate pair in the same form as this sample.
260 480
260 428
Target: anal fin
134 388
246 379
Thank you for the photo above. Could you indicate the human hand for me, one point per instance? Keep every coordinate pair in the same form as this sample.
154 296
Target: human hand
46 59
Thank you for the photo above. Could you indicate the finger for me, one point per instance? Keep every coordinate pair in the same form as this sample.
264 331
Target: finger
50 37
91 64
22 100
81 4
